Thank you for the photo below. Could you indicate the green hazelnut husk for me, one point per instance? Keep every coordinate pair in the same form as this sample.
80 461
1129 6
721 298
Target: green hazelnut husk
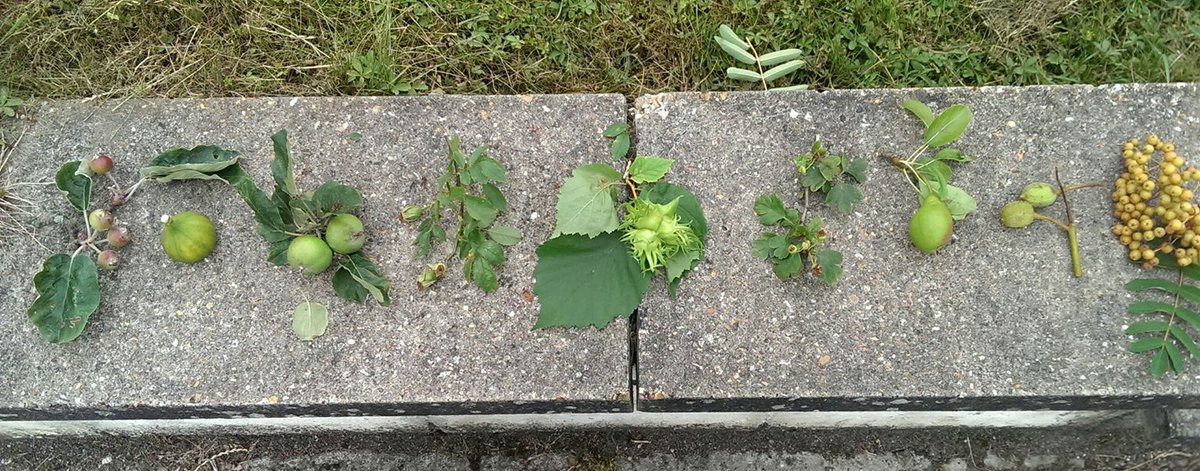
1017 214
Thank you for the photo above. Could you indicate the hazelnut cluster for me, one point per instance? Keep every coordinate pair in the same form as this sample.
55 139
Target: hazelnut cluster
1153 204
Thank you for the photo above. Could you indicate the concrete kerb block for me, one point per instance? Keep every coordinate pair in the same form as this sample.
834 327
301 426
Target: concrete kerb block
994 321
214 339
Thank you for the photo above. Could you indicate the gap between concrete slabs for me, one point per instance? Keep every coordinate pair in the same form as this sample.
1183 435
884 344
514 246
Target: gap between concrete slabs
214 339
993 321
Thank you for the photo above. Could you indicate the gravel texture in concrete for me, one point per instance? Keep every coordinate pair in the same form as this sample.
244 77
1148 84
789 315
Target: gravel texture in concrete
215 338
994 320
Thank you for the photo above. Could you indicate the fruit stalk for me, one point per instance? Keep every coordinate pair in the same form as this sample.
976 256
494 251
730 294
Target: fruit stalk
1072 240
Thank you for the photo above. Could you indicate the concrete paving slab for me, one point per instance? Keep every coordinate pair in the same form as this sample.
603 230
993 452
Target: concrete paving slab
993 321
215 339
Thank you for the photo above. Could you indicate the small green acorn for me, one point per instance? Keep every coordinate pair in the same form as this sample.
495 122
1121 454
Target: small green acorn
1039 194
1017 214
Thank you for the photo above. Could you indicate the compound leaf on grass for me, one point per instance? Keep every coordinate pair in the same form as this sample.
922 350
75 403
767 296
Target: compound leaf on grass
947 126
735 51
75 187
363 272
843 196
620 146
779 71
197 163
647 169
789 88
602 264
742 74
585 201
920 110
779 57
504 235
68 293
727 34
309 320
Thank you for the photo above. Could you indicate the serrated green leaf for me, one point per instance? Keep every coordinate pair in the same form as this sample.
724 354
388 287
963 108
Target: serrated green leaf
689 211
763 246
786 267
1185 340
680 262
727 34
365 273
491 251
335 198
614 281
309 320
1176 359
843 196
1145 344
857 169
495 197
620 147
1146 326
1160 362
742 74
483 274
281 171
830 263
76 188
616 129
779 57
504 235
490 170
68 292
585 202
777 72
480 209
918 109
734 51
947 126
201 162
770 209
647 169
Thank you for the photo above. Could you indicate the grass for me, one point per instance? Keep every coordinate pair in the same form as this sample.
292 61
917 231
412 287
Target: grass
176 48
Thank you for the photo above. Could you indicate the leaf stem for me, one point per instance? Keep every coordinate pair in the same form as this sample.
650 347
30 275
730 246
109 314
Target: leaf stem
628 181
132 189
1174 306
1072 240
1078 186
758 63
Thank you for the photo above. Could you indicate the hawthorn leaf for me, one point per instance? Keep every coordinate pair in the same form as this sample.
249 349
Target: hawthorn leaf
788 266
585 202
769 209
830 262
68 293
857 169
585 281
843 196
646 169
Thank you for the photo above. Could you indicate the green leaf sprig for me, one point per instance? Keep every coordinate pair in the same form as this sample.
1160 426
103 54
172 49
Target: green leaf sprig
468 188
768 67
597 265
836 176
941 202
801 243
1168 340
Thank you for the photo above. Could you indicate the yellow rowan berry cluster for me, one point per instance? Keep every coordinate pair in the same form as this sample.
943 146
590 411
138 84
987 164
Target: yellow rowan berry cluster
1153 204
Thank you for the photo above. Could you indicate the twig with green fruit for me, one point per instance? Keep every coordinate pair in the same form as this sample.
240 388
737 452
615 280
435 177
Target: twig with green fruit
931 225
1021 213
